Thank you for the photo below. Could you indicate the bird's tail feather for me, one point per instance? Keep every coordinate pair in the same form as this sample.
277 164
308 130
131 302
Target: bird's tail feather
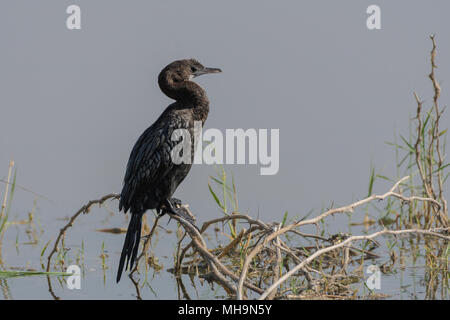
131 244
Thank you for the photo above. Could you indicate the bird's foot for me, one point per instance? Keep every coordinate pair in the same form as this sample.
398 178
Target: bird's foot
175 207
169 206
176 202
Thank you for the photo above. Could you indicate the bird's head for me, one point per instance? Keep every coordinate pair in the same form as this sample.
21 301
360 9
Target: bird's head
185 70
175 79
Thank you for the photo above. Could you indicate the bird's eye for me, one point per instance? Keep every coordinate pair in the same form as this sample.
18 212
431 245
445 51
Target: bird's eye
193 69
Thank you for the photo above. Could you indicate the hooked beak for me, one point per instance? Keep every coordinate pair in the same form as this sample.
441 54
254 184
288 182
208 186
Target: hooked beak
205 71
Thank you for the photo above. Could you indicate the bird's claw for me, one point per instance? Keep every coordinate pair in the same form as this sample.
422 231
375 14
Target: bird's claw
176 202
180 211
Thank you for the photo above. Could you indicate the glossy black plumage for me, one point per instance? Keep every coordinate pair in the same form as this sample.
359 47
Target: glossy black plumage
151 177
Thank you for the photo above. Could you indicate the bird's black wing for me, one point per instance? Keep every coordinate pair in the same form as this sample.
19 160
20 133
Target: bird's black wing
150 158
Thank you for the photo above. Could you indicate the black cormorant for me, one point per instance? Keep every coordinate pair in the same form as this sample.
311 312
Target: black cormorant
151 177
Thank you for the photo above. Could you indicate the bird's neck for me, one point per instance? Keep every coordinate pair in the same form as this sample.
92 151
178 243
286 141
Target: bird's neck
188 93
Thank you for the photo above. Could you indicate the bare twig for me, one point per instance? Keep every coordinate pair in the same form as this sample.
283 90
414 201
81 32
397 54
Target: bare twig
343 244
315 220
213 262
436 133
84 209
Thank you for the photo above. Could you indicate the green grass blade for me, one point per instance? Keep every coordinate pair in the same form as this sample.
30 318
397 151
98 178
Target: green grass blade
215 197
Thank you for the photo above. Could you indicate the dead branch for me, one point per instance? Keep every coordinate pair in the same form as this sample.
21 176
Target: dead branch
84 209
348 208
343 244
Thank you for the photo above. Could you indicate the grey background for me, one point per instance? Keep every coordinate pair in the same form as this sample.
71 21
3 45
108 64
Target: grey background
73 103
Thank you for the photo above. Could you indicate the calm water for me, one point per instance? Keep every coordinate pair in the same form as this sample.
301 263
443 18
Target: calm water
20 251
